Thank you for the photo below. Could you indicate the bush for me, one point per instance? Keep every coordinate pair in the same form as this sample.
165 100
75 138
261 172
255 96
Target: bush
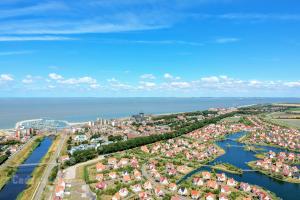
53 174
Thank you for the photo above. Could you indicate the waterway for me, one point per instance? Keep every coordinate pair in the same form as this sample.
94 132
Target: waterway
18 182
237 156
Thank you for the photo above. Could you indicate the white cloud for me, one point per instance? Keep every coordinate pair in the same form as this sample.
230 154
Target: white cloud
180 85
210 79
10 53
55 76
226 40
6 78
115 84
27 81
259 16
292 84
95 86
146 85
147 76
171 77
81 80
33 38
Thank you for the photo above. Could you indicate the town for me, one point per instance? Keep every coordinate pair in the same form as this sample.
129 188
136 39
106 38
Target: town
157 156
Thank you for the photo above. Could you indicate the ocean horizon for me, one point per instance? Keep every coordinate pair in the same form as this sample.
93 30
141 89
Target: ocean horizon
77 109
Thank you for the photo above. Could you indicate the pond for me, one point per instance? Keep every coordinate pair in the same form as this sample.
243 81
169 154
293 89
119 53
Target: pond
236 155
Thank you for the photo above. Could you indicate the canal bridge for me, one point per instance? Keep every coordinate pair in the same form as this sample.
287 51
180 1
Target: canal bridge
31 164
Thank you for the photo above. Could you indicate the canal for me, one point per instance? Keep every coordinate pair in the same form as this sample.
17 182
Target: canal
239 157
18 182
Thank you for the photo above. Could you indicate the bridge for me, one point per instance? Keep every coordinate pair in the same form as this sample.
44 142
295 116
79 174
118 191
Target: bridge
35 164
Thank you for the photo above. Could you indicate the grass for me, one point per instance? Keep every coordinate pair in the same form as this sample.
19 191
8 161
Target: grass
38 172
284 119
12 164
228 168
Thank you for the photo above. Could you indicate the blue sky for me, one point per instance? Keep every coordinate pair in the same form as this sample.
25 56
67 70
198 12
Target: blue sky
114 48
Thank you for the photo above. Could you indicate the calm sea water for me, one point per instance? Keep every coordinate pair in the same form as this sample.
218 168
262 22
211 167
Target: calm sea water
13 110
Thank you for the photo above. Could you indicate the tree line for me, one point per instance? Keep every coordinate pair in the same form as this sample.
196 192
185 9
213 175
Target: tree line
85 155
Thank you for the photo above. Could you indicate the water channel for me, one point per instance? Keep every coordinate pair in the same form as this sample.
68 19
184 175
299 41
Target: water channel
18 182
236 155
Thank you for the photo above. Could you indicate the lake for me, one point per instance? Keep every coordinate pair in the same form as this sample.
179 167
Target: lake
239 157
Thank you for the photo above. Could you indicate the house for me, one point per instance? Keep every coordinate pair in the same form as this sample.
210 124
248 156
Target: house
112 175
99 177
195 194
134 163
223 197
198 181
112 161
126 178
123 192
116 196
221 177
59 191
158 192
143 195
148 185
80 138
176 198
101 186
183 191
206 175
231 182
145 149
172 186
225 189
164 181
100 167
210 196
123 162
64 158
245 187
137 175
136 188
212 184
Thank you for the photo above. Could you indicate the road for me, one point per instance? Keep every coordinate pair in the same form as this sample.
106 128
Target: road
44 179
6 163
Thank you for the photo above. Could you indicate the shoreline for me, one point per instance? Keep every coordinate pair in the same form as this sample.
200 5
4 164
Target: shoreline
70 123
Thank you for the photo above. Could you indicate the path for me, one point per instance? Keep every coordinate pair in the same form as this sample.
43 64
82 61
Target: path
44 179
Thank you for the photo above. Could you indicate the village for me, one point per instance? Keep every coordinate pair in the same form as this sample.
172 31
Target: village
267 134
153 171
280 165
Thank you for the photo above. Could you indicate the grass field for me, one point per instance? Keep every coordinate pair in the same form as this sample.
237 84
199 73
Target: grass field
231 119
284 119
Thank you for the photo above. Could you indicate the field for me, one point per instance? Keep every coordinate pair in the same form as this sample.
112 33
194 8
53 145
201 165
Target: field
231 119
287 119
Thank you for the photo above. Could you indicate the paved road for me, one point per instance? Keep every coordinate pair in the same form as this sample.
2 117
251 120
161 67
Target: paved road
44 179
6 163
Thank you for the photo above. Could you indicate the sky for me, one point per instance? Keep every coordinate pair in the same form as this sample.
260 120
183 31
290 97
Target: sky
150 48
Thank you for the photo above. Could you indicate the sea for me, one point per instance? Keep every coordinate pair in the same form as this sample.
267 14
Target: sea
13 110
